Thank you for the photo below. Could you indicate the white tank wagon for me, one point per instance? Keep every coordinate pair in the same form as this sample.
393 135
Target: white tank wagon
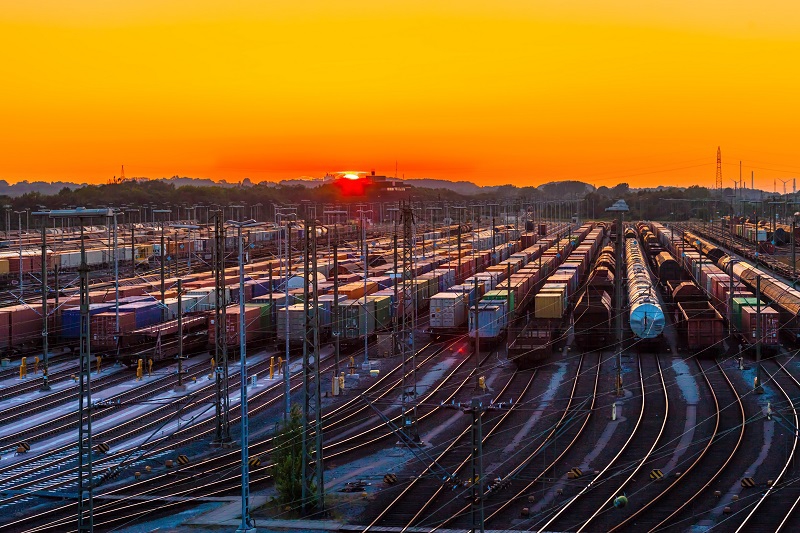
646 315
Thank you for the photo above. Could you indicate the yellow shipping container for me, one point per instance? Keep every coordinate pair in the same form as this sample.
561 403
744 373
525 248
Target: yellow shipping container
4 266
549 304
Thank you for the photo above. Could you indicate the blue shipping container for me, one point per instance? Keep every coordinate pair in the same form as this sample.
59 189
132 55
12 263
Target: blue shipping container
71 319
147 313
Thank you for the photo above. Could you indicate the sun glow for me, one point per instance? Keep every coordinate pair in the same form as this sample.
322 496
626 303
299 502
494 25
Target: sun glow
351 176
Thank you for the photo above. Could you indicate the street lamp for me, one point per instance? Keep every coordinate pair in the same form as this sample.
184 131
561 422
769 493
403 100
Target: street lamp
247 524
619 208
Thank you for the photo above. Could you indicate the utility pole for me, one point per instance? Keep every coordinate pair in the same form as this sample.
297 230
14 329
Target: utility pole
180 387
247 525
312 467
45 361
758 387
222 434
477 338
619 207
476 409
407 337
336 311
85 476
794 249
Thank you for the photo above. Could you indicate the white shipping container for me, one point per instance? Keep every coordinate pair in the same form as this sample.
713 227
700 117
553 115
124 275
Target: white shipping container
448 310
491 320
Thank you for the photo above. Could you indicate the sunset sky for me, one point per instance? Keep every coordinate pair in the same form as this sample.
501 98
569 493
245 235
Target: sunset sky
496 92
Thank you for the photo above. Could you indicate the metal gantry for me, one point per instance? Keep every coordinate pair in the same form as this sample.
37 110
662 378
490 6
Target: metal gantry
408 348
313 482
619 209
222 434
247 524
85 475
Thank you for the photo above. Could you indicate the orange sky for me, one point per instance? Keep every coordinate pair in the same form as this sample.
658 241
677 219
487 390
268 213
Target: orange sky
495 92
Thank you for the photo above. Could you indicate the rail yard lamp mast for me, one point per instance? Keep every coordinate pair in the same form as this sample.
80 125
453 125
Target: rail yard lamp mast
286 382
247 525
363 214
619 208
85 477
45 383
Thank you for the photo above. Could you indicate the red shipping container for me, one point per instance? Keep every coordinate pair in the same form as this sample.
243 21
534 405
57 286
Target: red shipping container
133 290
769 325
5 329
25 325
252 318
103 328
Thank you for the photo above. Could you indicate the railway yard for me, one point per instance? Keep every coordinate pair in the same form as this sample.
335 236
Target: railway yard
534 375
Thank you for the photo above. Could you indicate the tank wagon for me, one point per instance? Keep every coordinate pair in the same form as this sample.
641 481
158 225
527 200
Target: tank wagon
646 317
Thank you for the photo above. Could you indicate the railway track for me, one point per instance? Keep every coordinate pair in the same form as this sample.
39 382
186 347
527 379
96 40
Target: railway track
221 470
612 479
763 511
447 469
670 509
570 427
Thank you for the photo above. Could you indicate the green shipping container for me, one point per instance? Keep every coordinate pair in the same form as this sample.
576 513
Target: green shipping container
267 319
355 322
499 295
382 310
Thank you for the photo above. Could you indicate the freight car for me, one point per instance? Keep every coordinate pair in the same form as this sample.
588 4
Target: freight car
735 299
646 317
160 342
553 297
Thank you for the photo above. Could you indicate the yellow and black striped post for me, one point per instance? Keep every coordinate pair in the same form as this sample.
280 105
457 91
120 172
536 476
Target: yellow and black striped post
575 473
254 462
102 447
655 475
183 460
390 479
748 482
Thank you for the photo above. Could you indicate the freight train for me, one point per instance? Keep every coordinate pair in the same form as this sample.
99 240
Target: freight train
645 315
713 296
553 285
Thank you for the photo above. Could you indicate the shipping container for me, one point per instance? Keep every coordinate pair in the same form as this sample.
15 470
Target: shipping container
770 325
448 310
253 325
492 320
147 313
71 319
103 328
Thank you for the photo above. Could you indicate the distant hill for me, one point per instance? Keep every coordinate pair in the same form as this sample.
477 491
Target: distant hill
461 187
42 187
